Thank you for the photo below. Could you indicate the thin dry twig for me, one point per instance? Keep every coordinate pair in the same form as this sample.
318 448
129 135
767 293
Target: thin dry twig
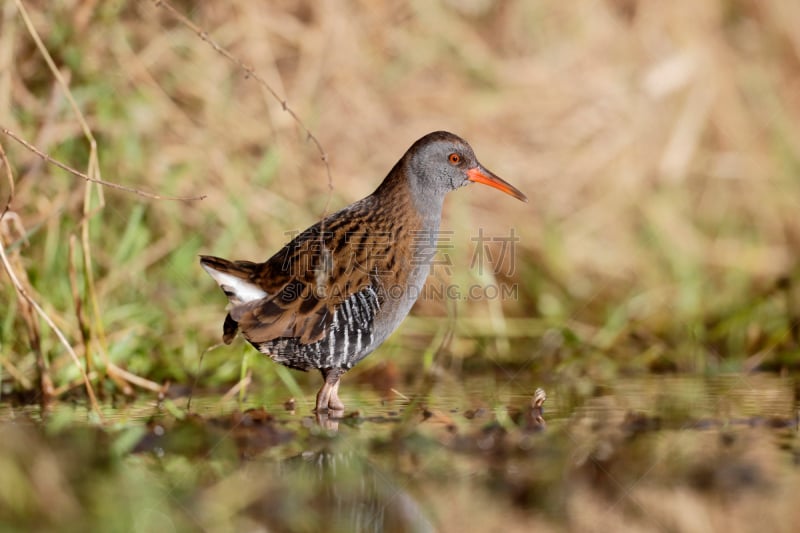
250 73
111 185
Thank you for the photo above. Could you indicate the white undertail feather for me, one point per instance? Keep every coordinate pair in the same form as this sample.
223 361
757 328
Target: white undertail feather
238 290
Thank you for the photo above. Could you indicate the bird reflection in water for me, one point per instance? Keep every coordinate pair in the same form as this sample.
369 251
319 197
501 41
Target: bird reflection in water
329 490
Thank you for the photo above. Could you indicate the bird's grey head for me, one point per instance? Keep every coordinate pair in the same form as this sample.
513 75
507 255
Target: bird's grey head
441 162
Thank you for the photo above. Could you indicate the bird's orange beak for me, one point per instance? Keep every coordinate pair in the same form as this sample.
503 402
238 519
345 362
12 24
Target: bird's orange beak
481 175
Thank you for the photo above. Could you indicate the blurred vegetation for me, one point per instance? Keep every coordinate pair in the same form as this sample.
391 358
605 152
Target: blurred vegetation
659 145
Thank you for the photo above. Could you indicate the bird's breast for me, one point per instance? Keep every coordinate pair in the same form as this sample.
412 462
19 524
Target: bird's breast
402 273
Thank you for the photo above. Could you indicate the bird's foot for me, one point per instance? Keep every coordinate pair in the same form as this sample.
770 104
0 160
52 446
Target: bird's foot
328 396
328 400
333 408
334 403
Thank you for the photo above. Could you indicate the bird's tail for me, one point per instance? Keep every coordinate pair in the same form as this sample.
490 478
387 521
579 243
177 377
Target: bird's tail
234 278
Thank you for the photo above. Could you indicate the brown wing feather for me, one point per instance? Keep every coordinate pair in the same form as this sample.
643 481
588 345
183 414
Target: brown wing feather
366 245
306 286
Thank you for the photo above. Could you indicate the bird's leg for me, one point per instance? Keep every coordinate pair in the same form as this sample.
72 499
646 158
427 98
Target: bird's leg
328 395
323 397
335 403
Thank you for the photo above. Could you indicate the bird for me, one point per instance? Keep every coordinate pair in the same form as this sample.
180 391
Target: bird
337 290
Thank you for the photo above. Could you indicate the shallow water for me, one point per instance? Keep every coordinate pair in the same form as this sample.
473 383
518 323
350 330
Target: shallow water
651 453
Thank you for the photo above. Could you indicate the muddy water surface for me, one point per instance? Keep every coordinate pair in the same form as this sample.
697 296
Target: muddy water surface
645 454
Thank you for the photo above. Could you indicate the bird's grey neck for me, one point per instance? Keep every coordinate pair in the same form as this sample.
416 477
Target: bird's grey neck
429 208
428 203
400 187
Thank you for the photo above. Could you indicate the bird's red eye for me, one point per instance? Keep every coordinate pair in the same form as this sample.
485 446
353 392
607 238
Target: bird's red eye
454 158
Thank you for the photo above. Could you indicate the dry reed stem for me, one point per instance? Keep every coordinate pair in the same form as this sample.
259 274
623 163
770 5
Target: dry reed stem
9 177
15 373
27 303
61 337
144 383
8 217
241 385
83 328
